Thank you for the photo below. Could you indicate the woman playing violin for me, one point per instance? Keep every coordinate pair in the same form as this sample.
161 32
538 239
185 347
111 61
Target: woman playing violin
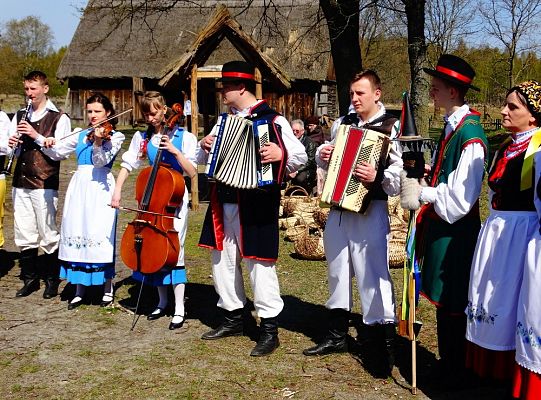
87 236
179 148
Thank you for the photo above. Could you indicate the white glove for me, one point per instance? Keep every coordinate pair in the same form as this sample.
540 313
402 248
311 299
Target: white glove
410 190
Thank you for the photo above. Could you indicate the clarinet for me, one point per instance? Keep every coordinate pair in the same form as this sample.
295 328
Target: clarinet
16 149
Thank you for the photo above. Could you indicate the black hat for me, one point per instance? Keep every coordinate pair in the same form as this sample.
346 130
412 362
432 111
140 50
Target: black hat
453 69
235 71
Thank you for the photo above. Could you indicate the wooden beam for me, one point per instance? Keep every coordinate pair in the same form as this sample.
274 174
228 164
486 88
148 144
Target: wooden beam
258 85
193 98
209 74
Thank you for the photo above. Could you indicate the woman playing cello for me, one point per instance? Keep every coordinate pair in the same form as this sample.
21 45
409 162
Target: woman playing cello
178 148
87 236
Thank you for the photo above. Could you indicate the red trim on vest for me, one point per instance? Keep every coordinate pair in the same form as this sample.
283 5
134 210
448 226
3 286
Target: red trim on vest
454 74
240 75
217 219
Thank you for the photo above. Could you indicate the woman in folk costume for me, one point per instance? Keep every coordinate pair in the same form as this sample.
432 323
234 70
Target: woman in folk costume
527 374
497 266
87 235
179 153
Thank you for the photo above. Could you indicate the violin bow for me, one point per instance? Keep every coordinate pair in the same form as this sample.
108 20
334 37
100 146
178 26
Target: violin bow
144 211
98 123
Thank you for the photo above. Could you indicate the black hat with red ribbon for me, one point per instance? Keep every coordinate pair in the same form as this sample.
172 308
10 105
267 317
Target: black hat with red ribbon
454 70
236 71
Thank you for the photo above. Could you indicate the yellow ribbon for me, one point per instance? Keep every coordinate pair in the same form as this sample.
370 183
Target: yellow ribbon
526 181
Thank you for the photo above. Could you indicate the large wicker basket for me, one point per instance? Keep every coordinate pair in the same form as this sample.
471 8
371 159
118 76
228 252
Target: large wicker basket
310 245
297 200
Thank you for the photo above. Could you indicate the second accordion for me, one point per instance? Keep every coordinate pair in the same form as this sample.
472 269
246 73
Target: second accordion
353 146
234 158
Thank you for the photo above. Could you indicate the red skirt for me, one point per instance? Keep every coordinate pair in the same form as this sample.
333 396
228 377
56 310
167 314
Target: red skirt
487 363
526 384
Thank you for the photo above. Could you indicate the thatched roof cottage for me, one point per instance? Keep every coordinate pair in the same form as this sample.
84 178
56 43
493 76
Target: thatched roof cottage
123 48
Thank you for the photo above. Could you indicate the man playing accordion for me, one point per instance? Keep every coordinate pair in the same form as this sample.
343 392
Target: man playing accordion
242 224
356 242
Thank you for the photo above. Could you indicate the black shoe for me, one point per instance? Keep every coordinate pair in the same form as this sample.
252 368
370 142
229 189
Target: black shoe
30 286
107 302
51 288
74 304
266 345
232 326
155 315
176 325
268 340
328 346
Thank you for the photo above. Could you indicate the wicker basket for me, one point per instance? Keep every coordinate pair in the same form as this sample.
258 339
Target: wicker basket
296 199
320 216
294 232
309 245
397 248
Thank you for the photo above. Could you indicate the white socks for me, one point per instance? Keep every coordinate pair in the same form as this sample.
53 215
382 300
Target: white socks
107 290
79 293
179 303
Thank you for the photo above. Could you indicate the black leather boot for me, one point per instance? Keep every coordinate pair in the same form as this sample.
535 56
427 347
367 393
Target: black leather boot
336 339
29 274
232 326
388 338
51 268
268 338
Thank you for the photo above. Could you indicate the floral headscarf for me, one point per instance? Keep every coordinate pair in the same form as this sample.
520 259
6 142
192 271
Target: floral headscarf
531 90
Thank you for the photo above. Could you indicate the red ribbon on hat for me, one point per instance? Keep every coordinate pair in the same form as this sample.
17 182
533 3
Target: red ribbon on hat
454 74
240 75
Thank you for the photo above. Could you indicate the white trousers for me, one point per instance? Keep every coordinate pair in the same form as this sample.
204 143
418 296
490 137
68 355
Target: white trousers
228 278
356 246
35 219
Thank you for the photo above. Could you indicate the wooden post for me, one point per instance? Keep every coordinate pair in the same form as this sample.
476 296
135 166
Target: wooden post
193 98
258 85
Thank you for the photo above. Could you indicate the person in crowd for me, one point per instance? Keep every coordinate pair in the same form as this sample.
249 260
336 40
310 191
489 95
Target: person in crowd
35 185
88 230
314 130
4 150
527 372
242 224
179 154
356 243
305 176
498 260
449 222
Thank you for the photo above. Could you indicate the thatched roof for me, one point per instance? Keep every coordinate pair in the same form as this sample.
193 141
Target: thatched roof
289 42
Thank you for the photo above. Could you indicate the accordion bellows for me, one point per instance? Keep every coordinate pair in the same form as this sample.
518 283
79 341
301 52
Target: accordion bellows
353 145
234 158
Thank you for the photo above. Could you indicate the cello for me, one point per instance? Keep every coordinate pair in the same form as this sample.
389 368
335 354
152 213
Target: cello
150 242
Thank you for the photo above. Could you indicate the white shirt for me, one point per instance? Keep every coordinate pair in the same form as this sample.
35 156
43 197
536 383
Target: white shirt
60 151
454 199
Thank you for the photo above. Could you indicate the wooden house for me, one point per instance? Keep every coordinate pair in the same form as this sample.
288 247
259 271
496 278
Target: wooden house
122 49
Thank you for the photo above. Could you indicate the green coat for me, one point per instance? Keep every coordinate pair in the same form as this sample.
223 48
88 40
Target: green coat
445 250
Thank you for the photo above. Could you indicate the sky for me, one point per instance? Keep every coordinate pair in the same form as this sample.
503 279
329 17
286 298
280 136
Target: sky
61 15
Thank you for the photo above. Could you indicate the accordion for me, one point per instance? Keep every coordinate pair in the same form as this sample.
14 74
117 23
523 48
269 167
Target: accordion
234 158
353 146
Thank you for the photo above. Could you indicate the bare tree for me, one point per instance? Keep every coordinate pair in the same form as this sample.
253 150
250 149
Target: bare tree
447 21
514 24
28 37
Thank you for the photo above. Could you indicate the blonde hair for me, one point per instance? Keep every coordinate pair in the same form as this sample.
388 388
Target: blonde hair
151 98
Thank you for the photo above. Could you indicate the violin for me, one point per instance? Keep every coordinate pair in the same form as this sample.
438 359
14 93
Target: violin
150 242
107 129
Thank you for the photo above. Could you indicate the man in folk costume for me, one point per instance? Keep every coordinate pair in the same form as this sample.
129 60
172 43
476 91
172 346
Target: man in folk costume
35 185
448 225
356 243
242 224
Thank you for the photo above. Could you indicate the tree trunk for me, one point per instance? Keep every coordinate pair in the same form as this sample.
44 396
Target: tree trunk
417 52
343 23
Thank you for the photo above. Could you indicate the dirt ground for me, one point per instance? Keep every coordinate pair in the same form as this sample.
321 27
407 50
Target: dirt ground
49 352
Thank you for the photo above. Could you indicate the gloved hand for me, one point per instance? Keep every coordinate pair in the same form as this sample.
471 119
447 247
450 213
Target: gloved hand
410 190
